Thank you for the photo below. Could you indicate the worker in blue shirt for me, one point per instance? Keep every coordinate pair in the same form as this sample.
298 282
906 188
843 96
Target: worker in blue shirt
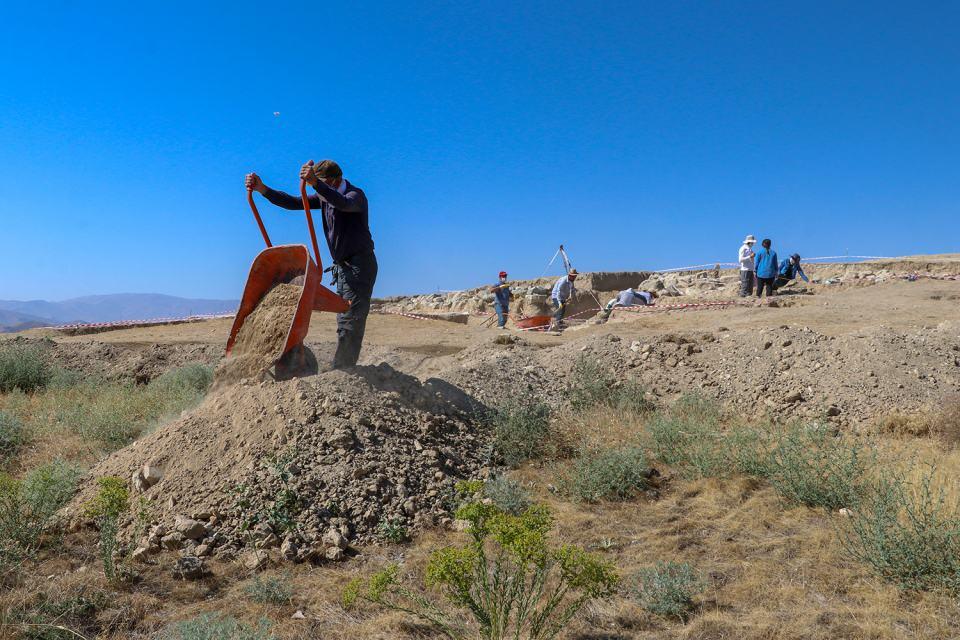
767 268
790 270
501 300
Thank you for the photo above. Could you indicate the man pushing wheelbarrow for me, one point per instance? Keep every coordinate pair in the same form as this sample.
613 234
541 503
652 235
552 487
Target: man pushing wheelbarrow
346 227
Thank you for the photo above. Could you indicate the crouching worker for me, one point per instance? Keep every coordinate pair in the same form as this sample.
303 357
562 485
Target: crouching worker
560 297
345 225
501 300
789 270
630 298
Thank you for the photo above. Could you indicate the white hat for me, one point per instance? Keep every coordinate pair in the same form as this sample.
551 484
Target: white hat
750 240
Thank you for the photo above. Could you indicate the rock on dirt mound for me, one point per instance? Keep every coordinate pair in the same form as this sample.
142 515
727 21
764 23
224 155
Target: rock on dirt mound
261 337
305 466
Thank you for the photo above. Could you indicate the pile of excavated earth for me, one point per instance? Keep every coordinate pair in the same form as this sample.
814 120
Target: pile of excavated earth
305 467
786 373
309 468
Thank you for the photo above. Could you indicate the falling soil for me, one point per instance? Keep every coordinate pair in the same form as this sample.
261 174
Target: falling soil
261 337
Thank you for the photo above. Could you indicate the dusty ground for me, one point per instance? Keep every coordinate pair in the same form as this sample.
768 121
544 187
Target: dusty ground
855 353
863 349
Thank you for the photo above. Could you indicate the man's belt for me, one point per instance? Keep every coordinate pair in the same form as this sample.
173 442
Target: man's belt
345 262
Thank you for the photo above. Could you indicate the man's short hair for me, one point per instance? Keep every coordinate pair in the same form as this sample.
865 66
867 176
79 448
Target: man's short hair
326 169
766 243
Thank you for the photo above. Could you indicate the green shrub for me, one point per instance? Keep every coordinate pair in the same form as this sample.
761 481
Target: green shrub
508 495
606 474
748 451
111 414
210 626
66 378
23 366
271 590
27 506
594 386
521 431
908 534
393 530
50 486
115 413
667 589
810 466
11 434
192 378
506 578
112 499
688 436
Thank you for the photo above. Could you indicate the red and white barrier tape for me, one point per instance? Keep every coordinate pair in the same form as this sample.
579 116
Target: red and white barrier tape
698 267
713 265
125 323
681 306
406 315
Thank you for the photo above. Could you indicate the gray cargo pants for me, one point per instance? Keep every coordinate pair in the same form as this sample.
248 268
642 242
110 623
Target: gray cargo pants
355 278
746 283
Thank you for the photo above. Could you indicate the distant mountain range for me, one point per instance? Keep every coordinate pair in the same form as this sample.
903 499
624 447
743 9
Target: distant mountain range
17 315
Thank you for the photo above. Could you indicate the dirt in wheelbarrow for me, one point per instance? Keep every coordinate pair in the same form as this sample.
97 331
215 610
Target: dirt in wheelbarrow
261 338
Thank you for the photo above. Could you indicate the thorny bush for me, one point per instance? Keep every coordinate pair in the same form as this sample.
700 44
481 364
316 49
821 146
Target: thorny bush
507 494
521 430
24 366
11 435
688 436
810 466
606 474
594 385
209 626
667 589
908 533
27 506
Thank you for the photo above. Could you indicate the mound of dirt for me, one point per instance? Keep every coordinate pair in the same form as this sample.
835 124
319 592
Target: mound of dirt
785 372
305 466
261 337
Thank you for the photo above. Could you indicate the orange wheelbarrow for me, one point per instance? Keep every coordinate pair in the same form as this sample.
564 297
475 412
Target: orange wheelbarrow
533 323
281 264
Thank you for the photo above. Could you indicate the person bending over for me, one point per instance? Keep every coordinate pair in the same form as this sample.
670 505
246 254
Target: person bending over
789 270
347 229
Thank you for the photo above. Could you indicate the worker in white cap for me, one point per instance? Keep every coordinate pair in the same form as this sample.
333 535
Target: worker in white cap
747 266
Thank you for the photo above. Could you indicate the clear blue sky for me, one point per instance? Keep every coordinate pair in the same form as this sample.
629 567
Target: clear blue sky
640 134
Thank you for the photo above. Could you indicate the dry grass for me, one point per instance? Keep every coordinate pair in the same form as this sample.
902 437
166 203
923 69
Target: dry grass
946 421
771 572
941 422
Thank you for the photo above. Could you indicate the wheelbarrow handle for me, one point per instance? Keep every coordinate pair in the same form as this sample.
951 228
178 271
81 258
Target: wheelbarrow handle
256 214
313 233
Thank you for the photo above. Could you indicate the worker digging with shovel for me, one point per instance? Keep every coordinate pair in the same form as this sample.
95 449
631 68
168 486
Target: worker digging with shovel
560 297
346 227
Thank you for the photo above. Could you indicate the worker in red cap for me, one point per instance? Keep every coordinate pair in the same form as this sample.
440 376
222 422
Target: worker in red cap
501 300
